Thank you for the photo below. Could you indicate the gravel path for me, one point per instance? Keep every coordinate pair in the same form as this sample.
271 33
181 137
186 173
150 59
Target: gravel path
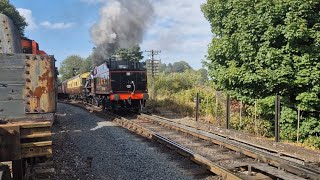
88 147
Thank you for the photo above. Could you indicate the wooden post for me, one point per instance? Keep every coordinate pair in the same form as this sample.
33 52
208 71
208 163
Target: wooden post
298 126
255 117
277 118
240 113
197 106
228 111
216 108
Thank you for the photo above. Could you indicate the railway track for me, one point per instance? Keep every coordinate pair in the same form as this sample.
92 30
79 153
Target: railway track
228 158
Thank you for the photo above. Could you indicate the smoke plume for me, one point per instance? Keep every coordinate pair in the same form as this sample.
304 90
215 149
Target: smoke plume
122 24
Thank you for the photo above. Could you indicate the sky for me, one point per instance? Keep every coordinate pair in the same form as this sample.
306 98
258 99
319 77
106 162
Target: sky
62 28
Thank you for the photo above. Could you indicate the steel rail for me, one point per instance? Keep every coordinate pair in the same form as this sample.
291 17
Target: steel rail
210 165
245 149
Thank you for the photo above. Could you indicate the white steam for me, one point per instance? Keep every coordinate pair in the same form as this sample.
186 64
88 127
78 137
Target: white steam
122 24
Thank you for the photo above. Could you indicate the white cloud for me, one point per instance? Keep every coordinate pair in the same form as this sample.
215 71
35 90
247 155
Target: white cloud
27 14
51 25
93 1
180 31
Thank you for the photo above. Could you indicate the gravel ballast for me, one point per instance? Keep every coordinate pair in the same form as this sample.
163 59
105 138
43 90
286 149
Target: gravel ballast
89 147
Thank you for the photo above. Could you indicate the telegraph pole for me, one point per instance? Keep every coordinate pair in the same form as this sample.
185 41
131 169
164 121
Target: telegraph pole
153 65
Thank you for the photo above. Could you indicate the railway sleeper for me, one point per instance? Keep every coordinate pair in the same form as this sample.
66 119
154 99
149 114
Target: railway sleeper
291 167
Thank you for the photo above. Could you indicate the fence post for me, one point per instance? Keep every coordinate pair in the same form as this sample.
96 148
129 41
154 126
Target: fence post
240 114
228 111
197 106
277 118
255 118
298 128
216 108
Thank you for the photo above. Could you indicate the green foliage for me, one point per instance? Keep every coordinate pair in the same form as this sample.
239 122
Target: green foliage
9 10
265 47
177 67
288 125
180 66
133 54
86 65
176 82
70 67
268 47
313 141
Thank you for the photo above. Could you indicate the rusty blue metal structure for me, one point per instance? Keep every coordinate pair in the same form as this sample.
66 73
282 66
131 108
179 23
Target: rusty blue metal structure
27 101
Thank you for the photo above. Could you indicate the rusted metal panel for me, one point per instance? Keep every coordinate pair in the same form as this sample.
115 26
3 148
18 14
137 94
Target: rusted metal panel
10 143
40 88
9 35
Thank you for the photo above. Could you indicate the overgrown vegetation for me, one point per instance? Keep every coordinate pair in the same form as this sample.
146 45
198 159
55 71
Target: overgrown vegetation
177 91
263 48
9 10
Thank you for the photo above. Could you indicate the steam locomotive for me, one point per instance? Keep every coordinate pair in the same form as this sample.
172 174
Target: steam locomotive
115 85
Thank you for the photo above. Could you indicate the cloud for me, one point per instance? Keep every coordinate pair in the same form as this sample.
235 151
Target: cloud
93 1
180 30
27 14
50 25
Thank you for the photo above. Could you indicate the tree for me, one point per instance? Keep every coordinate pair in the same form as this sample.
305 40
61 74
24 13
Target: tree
204 75
132 54
162 67
86 65
168 69
9 10
180 66
267 47
70 67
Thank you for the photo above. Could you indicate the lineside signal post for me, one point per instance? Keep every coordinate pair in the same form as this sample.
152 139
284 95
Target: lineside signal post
153 69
